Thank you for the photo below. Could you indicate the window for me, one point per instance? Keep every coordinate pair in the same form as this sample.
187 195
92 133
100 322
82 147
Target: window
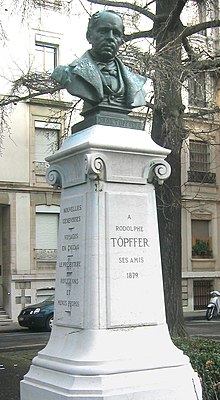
201 239
45 57
199 155
47 220
201 293
197 90
202 14
46 143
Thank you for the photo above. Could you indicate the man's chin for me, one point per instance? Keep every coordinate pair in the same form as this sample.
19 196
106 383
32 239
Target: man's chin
107 56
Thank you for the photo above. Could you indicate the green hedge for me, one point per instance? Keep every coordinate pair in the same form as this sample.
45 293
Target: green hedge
204 355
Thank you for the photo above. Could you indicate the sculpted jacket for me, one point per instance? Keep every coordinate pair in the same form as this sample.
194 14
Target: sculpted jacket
82 79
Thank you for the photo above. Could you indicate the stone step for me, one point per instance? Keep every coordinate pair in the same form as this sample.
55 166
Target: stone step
4 322
2 312
4 317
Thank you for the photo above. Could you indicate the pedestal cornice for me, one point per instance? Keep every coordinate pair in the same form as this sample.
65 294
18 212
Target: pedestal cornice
95 152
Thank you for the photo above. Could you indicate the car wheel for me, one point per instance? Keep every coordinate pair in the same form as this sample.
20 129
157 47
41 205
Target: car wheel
49 323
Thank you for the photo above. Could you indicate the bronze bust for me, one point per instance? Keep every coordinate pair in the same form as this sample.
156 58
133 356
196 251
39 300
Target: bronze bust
99 76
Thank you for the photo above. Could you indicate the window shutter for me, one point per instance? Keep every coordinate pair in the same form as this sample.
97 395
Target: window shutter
46 231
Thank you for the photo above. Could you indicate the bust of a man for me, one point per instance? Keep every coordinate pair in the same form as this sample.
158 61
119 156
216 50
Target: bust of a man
99 76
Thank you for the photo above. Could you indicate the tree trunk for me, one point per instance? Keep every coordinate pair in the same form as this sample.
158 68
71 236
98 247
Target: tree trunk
167 131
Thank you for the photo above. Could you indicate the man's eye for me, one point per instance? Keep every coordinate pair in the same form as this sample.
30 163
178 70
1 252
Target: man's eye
117 34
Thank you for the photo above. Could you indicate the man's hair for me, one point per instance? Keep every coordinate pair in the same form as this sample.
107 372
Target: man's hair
94 19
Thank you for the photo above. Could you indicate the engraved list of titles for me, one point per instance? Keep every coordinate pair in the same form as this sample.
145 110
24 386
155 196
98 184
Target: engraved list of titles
70 269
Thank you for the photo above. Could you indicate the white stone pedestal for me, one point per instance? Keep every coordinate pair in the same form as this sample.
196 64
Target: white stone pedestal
110 339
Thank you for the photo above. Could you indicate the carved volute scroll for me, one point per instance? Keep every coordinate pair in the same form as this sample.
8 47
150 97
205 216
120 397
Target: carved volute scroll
94 166
54 177
159 171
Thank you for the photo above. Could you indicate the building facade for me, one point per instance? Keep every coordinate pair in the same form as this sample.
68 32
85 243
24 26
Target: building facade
200 170
200 216
29 207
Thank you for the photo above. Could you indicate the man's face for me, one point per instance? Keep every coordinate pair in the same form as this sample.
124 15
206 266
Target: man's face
106 37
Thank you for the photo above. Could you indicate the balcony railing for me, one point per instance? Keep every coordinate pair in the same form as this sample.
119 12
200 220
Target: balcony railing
46 254
54 4
201 177
40 168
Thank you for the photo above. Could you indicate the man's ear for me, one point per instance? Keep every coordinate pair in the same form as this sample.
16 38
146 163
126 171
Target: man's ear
122 41
88 37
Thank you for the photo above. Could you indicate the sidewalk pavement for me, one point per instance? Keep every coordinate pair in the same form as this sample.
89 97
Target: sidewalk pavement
11 327
15 327
194 315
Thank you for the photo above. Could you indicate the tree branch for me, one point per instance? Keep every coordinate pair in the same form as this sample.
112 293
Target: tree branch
29 86
125 4
202 113
188 48
204 65
190 30
139 35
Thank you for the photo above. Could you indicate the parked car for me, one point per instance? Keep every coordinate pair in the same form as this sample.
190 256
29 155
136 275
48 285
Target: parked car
38 315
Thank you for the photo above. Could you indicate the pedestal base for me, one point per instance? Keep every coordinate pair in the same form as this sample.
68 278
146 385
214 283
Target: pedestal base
111 364
164 384
110 339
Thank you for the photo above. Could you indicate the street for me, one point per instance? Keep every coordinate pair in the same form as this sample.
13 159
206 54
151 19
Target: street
17 349
203 328
23 339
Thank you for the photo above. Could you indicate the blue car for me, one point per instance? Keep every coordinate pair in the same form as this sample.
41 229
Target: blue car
39 315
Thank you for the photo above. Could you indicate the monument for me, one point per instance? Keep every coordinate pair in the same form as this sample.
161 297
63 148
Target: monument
110 338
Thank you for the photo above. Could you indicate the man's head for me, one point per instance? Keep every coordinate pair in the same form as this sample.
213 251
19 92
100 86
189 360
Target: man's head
105 34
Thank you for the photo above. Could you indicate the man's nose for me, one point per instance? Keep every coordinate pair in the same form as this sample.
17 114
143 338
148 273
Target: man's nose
110 35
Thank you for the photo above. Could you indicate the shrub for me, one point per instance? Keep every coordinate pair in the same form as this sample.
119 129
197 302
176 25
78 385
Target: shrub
204 355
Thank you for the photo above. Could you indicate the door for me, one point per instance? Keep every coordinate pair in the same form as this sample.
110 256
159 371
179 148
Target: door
1 258
4 254
201 290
